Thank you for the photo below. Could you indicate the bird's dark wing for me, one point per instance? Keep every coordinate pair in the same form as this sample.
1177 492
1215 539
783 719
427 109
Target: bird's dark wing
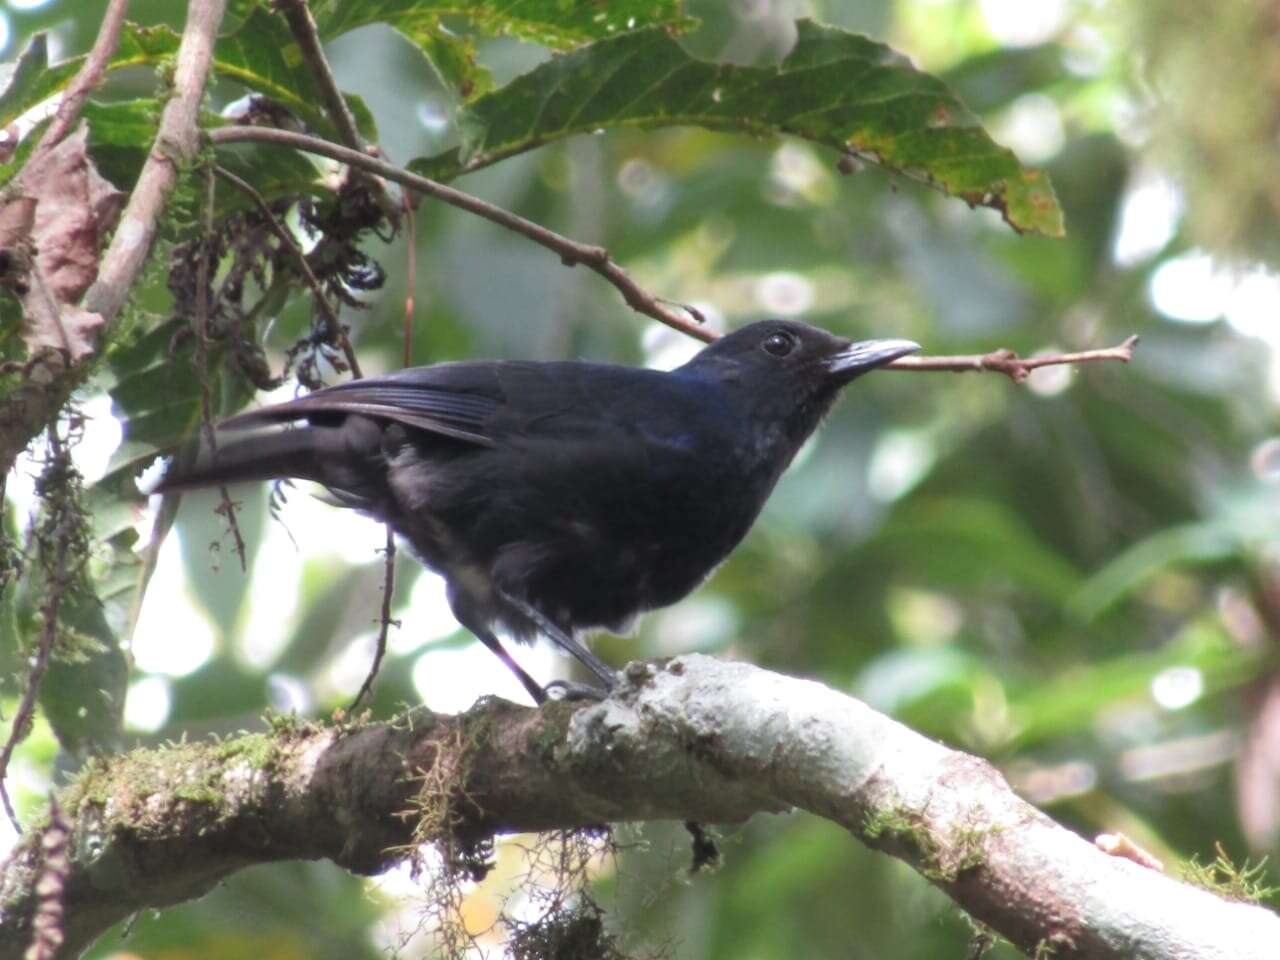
450 399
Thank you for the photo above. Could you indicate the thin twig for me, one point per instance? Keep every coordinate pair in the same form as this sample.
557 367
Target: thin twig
335 326
90 75
571 251
303 25
384 620
227 507
389 569
597 258
322 302
410 283
1009 363
57 581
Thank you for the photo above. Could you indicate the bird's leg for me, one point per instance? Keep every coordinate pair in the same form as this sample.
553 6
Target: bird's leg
565 642
486 637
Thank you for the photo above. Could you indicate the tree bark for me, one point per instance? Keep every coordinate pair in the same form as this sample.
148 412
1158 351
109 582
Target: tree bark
690 739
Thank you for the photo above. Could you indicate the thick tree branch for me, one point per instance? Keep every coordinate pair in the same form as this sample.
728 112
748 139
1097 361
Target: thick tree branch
694 738
51 377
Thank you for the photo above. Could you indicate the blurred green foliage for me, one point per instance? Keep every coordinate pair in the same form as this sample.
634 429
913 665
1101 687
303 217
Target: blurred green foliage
1077 578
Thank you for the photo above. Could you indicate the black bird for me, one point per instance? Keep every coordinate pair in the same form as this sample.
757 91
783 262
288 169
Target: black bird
558 497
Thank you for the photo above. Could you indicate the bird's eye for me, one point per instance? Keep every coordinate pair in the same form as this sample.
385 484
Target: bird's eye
779 344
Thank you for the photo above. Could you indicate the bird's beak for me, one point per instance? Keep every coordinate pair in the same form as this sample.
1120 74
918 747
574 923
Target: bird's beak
858 358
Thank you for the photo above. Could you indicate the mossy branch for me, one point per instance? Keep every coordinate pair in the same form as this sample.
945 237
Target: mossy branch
690 739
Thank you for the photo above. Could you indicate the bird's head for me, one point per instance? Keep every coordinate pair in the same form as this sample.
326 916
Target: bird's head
794 356
789 373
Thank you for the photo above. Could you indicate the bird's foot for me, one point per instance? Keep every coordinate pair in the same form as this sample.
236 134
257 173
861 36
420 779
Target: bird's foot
705 851
574 691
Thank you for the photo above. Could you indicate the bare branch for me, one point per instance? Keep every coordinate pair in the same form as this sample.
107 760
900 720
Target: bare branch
694 738
91 73
1009 363
571 251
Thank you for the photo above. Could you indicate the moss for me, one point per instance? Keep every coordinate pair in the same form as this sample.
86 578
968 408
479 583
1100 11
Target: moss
900 826
192 773
259 749
1245 883
553 723
198 793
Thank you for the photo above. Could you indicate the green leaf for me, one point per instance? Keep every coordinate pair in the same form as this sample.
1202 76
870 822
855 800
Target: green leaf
970 542
452 57
138 46
835 88
83 695
1193 543
156 397
121 135
1071 702
83 689
25 76
553 23
454 60
262 55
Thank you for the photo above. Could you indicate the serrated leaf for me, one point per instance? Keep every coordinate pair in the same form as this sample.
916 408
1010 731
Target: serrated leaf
262 55
835 88
453 58
553 23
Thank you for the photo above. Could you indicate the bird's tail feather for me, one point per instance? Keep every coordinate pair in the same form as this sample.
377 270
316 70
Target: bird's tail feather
273 455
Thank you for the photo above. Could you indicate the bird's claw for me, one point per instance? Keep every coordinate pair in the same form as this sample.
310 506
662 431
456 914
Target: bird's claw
573 691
